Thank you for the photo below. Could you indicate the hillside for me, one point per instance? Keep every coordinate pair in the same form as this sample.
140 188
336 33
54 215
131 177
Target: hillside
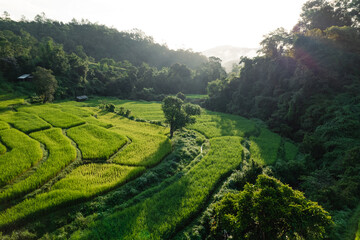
87 58
99 41
78 152
305 85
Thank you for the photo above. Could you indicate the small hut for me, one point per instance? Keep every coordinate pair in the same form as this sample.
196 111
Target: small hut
25 77
81 98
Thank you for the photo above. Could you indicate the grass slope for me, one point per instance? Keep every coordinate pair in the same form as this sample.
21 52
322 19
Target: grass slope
61 153
24 153
158 217
96 142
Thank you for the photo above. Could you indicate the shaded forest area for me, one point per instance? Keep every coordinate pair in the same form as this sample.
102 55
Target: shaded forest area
88 58
306 86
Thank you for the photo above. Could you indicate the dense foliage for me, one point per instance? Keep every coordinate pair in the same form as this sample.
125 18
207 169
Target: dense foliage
268 209
305 85
178 114
88 58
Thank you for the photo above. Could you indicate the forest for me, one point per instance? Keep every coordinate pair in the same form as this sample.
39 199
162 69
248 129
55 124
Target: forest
88 58
304 86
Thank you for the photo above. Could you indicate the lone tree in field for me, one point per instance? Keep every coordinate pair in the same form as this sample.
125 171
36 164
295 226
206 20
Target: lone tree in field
45 84
268 209
178 114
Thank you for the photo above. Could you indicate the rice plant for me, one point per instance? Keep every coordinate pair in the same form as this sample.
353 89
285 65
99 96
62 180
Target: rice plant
4 125
213 124
8 102
96 142
24 153
24 122
148 146
264 148
158 217
290 150
55 117
84 182
2 149
61 153
145 149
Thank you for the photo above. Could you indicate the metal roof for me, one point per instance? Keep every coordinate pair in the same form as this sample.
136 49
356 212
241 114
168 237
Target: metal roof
24 76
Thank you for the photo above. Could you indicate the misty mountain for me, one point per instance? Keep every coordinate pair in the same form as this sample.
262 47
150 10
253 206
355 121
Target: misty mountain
230 54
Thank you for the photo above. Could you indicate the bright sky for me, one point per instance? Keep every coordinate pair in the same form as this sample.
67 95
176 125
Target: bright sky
188 24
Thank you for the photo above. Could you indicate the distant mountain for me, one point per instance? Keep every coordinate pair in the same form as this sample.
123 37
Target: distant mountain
229 54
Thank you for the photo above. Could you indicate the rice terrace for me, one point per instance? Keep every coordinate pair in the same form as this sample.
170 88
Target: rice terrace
76 158
235 120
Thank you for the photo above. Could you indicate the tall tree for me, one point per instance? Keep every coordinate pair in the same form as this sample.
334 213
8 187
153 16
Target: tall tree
178 114
45 84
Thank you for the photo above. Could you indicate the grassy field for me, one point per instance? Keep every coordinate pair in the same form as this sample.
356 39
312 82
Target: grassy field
24 122
158 217
61 153
24 153
96 142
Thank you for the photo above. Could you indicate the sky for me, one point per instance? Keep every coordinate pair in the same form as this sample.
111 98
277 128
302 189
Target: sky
187 24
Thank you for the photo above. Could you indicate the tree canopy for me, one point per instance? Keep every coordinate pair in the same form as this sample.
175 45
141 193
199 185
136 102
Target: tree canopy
268 209
178 114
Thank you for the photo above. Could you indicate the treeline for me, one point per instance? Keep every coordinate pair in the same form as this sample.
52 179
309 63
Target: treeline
305 84
89 58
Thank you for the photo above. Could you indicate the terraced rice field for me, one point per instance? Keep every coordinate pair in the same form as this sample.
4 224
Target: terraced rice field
61 128
24 122
84 182
54 116
159 216
265 147
61 153
80 152
96 142
213 124
23 153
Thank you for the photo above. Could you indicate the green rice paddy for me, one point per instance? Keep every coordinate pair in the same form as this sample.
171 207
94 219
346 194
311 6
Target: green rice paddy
159 216
126 149
4 125
84 182
24 122
61 153
54 116
23 153
96 142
